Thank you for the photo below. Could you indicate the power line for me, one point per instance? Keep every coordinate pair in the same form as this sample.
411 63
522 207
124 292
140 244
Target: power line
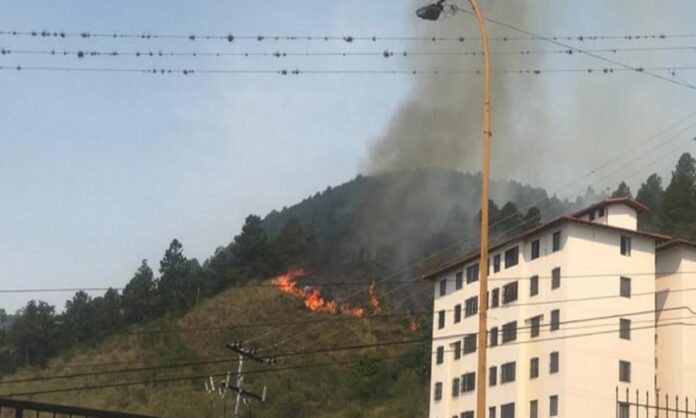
588 53
632 274
343 348
334 363
349 39
386 53
298 71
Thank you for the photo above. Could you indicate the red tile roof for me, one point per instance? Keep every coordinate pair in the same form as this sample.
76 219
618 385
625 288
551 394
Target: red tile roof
675 243
613 201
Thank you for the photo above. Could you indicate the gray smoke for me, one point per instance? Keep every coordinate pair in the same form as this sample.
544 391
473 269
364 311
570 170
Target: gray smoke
542 124
439 125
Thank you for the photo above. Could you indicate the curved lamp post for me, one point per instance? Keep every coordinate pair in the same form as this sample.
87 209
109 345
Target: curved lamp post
433 12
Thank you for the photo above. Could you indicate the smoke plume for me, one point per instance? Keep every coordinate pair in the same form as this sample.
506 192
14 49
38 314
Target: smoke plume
542 124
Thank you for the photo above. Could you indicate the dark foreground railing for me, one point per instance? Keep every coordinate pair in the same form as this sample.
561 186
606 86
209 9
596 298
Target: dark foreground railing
30 409
631 404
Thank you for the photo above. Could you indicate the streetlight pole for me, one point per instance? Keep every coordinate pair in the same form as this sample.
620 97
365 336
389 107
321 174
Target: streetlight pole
432 12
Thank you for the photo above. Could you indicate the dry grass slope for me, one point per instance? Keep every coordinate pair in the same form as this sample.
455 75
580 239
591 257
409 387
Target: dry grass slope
382 384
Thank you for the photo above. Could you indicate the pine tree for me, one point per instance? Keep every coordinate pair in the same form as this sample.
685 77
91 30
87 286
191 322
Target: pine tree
622 191
139 295
175 285
652 195
680 200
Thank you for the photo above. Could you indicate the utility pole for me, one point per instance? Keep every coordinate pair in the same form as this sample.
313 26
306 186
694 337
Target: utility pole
225 386
246 353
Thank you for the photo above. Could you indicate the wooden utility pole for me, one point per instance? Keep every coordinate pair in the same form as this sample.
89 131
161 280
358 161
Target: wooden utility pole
481 382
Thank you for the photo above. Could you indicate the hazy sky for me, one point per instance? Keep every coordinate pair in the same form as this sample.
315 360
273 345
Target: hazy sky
100 170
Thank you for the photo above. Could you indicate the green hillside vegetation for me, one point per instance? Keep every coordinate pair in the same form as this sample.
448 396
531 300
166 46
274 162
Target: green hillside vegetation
379 382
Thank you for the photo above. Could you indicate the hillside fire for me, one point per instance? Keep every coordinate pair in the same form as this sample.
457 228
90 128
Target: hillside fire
314 301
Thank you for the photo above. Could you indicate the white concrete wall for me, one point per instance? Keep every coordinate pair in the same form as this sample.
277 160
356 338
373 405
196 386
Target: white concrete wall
676 344
588 365
594 267
622 216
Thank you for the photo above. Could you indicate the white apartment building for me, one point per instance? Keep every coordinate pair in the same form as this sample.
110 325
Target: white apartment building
572 315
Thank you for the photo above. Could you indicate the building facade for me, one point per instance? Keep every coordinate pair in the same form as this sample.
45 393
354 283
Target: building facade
572 315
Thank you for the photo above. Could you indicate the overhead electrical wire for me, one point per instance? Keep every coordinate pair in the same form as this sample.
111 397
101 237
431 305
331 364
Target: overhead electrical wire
362 346
44 378
633 274
232 37
386 53
582 51
155 70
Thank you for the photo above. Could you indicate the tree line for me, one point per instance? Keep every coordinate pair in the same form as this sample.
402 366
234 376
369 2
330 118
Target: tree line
672 209
38 331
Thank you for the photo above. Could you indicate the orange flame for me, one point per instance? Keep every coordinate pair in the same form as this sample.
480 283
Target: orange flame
313 300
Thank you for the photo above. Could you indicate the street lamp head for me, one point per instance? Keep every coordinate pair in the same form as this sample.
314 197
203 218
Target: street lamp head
431 11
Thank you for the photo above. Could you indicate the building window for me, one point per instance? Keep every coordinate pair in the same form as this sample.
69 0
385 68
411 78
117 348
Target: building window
495 298
455 387
624 371
507 372
496 263
625 329
624 410
592 216
509 332
534 367
533 285
494 336
443 287
600 213
556 278
556 244
512 257
555 319
438 391
472 273
536 249
509 293
553 362
534 409
467 414
457 349
471 306
492 376
458 281
625 245
457 313
625 287
553 405
440 355
441 319
470 344
491 412
507 410
469 382
535 324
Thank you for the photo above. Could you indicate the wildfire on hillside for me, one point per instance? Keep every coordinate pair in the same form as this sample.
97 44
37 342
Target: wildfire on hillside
314 301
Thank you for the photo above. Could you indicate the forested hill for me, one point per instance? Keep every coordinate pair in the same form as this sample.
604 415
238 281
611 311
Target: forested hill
395 218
